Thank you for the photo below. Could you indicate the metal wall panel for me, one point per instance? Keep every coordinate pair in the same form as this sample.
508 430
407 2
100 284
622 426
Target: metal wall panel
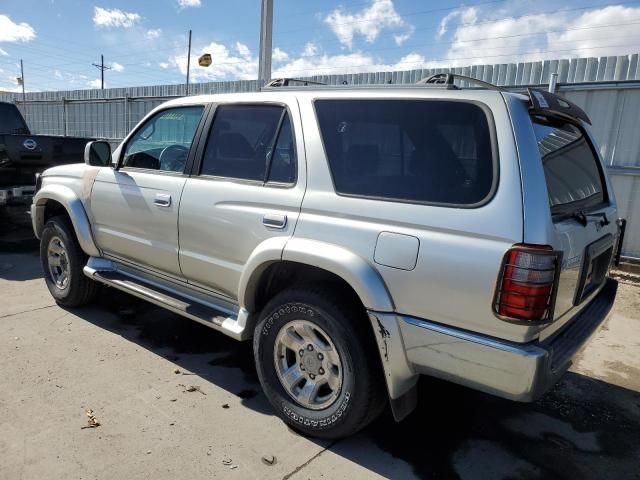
627 188
614 108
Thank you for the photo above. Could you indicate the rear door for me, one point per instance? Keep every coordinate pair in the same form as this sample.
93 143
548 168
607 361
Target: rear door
582 208
247 189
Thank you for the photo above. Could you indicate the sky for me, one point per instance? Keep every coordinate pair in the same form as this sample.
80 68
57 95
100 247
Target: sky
145 42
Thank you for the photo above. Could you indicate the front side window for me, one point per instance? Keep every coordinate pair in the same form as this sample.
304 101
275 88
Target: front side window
424 151
163 142
574 180
241 142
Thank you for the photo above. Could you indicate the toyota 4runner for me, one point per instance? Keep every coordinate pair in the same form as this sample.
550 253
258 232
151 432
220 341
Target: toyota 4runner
361 236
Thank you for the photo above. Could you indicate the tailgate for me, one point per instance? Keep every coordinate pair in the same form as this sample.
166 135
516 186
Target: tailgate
583 213
43 151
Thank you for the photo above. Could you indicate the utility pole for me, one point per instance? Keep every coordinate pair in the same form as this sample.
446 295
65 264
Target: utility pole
102 68
266 27
188 65
24 104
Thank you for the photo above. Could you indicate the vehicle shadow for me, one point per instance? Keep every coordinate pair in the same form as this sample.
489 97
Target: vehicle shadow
584 428
13 266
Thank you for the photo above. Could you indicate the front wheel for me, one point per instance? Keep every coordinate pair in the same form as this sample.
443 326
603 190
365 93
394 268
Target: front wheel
315 364
62 263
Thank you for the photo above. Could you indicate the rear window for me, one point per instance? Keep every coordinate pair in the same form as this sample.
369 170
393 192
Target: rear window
571 168
10 120
437 152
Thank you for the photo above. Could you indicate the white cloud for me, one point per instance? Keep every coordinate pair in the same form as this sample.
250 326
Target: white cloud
227 63
58 75
479 39
310 49
3 52
153 33
95 83
466 15
189 3
114 17
368 22
354 62
279 55
164 65
116 67
15 32
400 38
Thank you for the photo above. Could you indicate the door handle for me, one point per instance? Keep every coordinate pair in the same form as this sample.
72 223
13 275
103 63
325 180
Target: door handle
162 200
273 220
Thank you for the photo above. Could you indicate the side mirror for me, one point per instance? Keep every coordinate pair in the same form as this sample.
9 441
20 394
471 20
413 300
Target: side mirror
98 154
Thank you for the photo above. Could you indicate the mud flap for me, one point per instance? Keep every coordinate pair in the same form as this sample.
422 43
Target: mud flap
399 376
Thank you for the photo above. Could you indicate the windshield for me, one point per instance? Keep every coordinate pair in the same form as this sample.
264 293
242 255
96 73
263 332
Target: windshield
571 169
10 120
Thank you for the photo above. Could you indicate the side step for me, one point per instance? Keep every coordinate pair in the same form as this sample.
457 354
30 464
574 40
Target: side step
175 302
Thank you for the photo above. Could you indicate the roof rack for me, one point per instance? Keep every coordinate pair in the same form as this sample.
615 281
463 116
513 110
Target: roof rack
287 82
448 78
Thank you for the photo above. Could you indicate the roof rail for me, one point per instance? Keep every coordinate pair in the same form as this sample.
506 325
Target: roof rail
448 78
287 82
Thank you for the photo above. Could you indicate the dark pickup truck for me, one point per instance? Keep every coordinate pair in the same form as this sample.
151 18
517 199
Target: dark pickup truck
22 155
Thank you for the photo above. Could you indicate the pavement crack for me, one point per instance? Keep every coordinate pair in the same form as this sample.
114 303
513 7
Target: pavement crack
28 311
305 464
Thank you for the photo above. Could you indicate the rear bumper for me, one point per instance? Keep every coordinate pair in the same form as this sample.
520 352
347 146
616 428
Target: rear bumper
521 372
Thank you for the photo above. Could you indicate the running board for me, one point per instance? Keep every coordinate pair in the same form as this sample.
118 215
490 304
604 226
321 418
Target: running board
175 302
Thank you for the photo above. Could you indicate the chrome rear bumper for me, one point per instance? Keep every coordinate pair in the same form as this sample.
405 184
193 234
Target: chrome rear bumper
521 372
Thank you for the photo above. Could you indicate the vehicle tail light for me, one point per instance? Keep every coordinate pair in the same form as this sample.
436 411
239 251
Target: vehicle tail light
526 287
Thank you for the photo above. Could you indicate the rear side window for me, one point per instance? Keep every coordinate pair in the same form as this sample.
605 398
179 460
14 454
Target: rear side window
241 141
571 168
408 150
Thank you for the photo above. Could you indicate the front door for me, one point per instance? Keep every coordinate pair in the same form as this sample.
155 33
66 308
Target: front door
135 207
247 189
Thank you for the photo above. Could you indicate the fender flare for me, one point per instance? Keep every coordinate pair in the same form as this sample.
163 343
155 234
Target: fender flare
352 268
75 209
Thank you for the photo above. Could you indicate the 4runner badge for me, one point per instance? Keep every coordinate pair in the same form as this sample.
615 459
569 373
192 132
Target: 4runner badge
29 144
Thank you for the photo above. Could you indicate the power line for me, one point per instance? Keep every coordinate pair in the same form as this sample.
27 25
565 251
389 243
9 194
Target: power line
434 10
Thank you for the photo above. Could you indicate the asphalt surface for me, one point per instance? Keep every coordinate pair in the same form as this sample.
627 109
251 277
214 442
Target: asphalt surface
211 420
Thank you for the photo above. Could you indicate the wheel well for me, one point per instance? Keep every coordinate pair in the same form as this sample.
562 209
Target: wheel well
282 275
54 208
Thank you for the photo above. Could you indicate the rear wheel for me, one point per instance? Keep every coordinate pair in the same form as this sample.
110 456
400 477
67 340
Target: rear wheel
62 263
315 364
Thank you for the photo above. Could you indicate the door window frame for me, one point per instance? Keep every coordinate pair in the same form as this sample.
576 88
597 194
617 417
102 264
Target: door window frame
192 149
196 167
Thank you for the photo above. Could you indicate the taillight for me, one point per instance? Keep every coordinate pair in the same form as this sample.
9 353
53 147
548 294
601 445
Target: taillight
526 287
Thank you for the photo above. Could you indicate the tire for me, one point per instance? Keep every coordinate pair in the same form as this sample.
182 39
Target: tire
361 395
59 244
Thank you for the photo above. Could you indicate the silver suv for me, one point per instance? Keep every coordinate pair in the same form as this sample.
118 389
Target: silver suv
361 237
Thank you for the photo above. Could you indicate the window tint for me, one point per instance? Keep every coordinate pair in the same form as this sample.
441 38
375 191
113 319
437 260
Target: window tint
571 169
10 120
408 150
240 141
163 142
283 160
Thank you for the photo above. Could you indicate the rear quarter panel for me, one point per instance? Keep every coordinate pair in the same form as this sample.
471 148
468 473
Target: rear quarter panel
460 250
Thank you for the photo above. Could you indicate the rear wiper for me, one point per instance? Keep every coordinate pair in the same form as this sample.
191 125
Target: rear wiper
583 218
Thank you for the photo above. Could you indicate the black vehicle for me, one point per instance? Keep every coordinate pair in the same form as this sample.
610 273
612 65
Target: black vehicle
22 155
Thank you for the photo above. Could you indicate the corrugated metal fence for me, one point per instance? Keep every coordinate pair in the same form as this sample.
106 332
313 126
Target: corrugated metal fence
608 88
